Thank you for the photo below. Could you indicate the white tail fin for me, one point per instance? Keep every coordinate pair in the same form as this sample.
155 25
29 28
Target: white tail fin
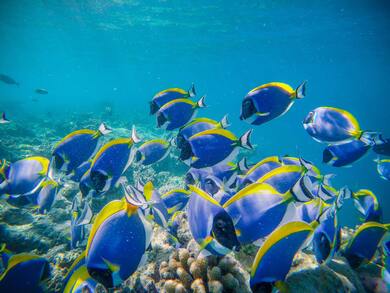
244 140
134 135
201 103
104 129
300 92
243 165
369 137
326 179
224 122
192 91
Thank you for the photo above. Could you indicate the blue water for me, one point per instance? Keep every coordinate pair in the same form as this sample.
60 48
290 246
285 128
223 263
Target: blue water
90 54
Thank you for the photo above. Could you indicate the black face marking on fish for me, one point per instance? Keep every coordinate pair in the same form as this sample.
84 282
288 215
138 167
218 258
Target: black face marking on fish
161 119
262 287
103 276
98 180
247 109
180 141
224 232
186 151
138 156
326 156
189 179
58 162
84 189
153 108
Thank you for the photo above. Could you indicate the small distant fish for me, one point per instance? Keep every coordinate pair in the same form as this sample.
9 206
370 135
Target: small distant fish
4 119
282 244
8 80
269 101
165 96
78 222
335 126
341 155
383 168
176 200
177 113
42 91
364 243
152 151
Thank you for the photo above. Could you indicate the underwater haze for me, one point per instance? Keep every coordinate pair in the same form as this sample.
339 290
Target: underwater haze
104 61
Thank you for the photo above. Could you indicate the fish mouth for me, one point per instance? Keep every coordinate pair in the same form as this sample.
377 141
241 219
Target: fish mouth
153 108
99 180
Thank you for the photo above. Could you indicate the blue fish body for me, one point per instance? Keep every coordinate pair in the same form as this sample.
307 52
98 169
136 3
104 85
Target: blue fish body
176 200
345 154
365 242
44 198
75 149
256 211
311 210
25 175
152 151
274 258
109 164
210 147
202 212
195 176
177 113
80 171
367 204
24 273
383 148
267 102
383 168
325 238
258 170
332 125
165 96
119 226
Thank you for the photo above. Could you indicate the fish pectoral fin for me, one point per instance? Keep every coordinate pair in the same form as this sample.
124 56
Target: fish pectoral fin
261 114
112 267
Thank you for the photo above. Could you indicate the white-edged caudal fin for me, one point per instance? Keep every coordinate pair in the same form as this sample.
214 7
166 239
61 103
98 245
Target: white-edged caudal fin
134 135
104 129
378 140
344 193
369 137
243 165
201 102
300 92
326 179
192 91
244 140
86 215
224 122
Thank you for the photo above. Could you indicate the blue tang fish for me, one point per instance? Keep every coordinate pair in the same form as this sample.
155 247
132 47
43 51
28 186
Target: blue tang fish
79 218
345 154
274 258
197 125
118 227
259 170
78 280
229 172
24 273
210 225
165 96
269 101
335 126
177 113
383 168
176 200
310 211
76 148
213 146
365 242
215 187
111 161
368 206
326 238
23 176
44 198
152 151
257 210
